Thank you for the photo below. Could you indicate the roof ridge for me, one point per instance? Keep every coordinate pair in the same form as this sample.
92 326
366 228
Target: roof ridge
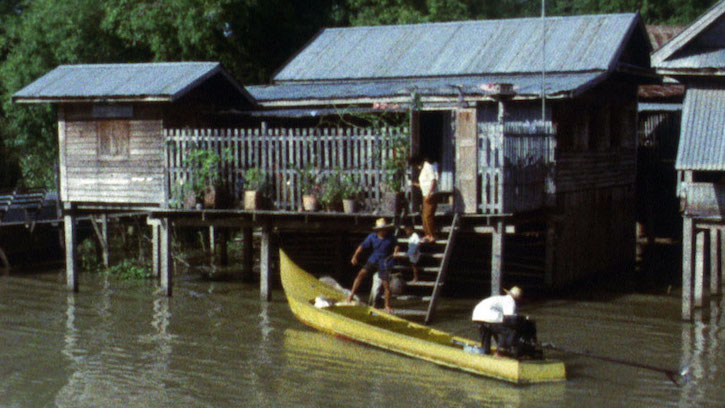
479 21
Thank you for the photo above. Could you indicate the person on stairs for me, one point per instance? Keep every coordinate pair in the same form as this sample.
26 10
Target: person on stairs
413 251
381 243
428 183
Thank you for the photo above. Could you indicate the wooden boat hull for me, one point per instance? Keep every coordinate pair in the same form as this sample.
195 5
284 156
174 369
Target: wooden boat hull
376 328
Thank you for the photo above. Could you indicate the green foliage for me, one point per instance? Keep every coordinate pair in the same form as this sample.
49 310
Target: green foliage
255 179
88 255
131 269
205 167
350 188
395 165
332 190
310 179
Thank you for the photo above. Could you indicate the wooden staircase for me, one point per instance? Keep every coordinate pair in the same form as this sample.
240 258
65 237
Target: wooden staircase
432 268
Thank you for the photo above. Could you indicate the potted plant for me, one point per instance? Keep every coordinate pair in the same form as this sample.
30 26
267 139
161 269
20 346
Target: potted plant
205 183
350 193
255 182
332 192
309 179
394 171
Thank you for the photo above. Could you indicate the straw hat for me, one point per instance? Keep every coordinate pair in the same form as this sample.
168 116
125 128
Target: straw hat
381 224
515 292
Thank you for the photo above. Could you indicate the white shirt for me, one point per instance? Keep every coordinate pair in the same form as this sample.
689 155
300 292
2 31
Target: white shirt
494 308
413 247
428 174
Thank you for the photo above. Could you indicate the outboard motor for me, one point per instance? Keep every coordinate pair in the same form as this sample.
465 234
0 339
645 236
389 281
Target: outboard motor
517 338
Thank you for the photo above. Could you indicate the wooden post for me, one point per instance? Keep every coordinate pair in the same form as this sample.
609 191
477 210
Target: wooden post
71 267
715 260
699 281
104 237
156 251
497 246
248 256
165 265
265 264
212 243
687 266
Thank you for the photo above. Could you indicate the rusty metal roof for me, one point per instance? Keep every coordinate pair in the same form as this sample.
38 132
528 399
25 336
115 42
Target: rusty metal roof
163 82
509 46
702 137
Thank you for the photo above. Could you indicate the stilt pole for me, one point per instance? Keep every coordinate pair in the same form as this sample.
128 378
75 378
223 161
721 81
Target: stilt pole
699 282
165 263
497 246
248 256
71 267
265 266
715 260
687 266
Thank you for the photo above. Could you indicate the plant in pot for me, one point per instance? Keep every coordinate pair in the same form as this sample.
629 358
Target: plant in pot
350 193
309 180
394 171
205 183
332 192
255 184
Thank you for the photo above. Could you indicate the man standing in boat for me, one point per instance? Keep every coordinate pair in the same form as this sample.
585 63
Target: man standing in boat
490 313
381 243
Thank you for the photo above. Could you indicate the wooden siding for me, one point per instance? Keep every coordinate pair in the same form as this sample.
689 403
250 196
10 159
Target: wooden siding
706 200
130 179
594 170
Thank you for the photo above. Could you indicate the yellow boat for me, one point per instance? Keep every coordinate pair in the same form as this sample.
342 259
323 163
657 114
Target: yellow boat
379 329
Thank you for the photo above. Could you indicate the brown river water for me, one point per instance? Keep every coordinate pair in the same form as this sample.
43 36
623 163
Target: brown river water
118 343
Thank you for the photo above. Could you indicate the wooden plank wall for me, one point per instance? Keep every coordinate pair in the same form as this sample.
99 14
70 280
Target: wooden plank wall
281 152
89 177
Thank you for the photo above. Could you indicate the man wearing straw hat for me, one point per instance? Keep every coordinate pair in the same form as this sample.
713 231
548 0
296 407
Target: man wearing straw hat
490 312
381 243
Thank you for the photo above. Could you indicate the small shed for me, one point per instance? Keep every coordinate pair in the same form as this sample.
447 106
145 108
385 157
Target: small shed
111 119
696 59
565 166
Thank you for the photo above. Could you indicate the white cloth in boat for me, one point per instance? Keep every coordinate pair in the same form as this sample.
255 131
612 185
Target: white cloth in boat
494 308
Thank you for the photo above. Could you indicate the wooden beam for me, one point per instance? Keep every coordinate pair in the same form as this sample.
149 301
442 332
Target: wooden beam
71 267
687 266
212 243
156 250
497 247
165 262
265 264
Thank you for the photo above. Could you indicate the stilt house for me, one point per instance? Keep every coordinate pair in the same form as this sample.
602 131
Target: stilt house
696 58
566 166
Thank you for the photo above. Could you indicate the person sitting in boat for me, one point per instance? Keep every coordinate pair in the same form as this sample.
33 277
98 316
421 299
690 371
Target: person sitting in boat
490 313
381 243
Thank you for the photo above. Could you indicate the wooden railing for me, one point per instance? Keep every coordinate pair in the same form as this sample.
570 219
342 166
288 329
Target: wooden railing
281 153
514 166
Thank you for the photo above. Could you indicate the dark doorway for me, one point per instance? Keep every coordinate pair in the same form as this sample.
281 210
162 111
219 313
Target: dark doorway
431 134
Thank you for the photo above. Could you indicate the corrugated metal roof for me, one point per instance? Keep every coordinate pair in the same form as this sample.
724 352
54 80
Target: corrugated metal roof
702 138
525 85
688 38
579 43
704 59
159 81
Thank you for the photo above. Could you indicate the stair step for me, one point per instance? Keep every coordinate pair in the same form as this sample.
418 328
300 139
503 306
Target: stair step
427 269
421 284
429 255
438 241
411 298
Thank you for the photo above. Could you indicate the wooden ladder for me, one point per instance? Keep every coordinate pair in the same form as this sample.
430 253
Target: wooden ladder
442 257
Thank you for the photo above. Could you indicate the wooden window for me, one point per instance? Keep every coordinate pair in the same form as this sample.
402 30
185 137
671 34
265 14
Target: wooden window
113 139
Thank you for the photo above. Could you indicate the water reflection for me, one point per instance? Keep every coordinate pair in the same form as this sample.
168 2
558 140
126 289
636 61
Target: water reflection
701 343
383 379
